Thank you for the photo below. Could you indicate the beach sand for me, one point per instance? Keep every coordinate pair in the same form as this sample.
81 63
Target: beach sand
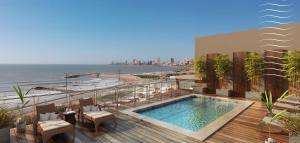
123 77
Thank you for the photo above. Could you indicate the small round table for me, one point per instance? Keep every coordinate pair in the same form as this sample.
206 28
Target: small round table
70 117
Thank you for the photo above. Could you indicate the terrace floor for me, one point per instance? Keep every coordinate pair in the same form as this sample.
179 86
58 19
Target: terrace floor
245 128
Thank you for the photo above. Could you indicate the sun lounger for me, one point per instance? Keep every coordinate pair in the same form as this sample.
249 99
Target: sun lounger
288 107
49 128
97 117
289 101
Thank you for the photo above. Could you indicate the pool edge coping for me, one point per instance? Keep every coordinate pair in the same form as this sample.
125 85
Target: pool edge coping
203 133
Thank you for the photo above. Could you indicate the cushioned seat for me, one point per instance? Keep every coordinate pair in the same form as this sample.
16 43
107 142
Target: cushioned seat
97 117
49 128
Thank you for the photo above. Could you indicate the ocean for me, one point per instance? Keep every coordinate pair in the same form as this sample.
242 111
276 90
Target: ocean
12 74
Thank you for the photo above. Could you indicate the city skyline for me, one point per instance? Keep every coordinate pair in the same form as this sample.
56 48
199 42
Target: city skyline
98 32
157 61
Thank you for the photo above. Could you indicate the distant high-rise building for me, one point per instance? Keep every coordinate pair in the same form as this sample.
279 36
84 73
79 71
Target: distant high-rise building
158 61
172 61
134 61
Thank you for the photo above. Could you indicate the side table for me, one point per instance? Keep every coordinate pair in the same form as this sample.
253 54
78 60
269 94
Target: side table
70 117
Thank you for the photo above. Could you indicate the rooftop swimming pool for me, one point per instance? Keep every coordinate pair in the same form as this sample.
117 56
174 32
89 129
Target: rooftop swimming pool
197 116
192 113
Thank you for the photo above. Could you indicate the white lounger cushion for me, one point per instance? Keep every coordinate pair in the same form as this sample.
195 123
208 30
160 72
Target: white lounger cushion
44 117
97 114
49 116
53 124
90 108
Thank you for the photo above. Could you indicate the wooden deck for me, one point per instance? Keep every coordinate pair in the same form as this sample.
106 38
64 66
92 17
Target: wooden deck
245 128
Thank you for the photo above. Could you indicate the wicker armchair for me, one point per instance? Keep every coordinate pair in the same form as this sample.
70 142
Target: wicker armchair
97 117
48 129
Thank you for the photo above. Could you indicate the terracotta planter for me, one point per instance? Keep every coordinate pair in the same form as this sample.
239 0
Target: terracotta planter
5 135
253 95
294 138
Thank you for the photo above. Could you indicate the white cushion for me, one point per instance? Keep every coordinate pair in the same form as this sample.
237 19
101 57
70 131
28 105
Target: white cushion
53 116
86 108
95 108
44 117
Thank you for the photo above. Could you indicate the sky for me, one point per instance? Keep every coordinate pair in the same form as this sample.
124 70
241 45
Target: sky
101 31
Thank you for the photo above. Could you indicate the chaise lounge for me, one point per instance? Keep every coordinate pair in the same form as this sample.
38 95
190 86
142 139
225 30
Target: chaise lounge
50 127
94 113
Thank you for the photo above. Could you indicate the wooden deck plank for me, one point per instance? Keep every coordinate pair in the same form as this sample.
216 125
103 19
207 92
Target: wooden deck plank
245 128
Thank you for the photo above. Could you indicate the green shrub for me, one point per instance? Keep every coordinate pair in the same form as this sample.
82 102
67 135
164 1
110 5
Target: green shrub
291 67
291 123
254 68
7 118
200 66
223 67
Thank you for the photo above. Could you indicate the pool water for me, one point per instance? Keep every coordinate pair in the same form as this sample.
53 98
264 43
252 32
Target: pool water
192 113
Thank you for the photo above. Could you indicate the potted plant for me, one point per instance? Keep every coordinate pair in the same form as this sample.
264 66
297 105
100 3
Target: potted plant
291 68
223 69
7 119
21 120
200 73
268 102
275 117
254 72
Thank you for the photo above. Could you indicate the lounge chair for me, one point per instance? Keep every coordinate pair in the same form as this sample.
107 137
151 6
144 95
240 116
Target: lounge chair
49 128
97 117
289 101
288 107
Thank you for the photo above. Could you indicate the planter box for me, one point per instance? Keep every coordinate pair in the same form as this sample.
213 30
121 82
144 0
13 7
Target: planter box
294 138
5 135
222 92
199 89
21 127
253 95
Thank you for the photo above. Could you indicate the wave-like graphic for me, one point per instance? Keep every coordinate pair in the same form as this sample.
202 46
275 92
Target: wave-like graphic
272 37
277 40
276 34
276 16
278 46
278 28
275 10
275 22
275 4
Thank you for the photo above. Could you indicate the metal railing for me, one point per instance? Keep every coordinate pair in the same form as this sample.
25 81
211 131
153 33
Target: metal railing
120 96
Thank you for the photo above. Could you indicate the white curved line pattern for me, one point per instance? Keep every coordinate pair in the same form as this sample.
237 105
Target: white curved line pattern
274 69
274 57
277 34
277 40
275 4
276 16
274 45
274 10
274 51
278 28
274 63
275 22
274 75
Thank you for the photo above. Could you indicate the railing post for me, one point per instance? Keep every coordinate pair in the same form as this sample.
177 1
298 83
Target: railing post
117 98
134 96
160 90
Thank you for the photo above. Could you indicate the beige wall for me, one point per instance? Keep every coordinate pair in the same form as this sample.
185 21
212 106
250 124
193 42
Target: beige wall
249 40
